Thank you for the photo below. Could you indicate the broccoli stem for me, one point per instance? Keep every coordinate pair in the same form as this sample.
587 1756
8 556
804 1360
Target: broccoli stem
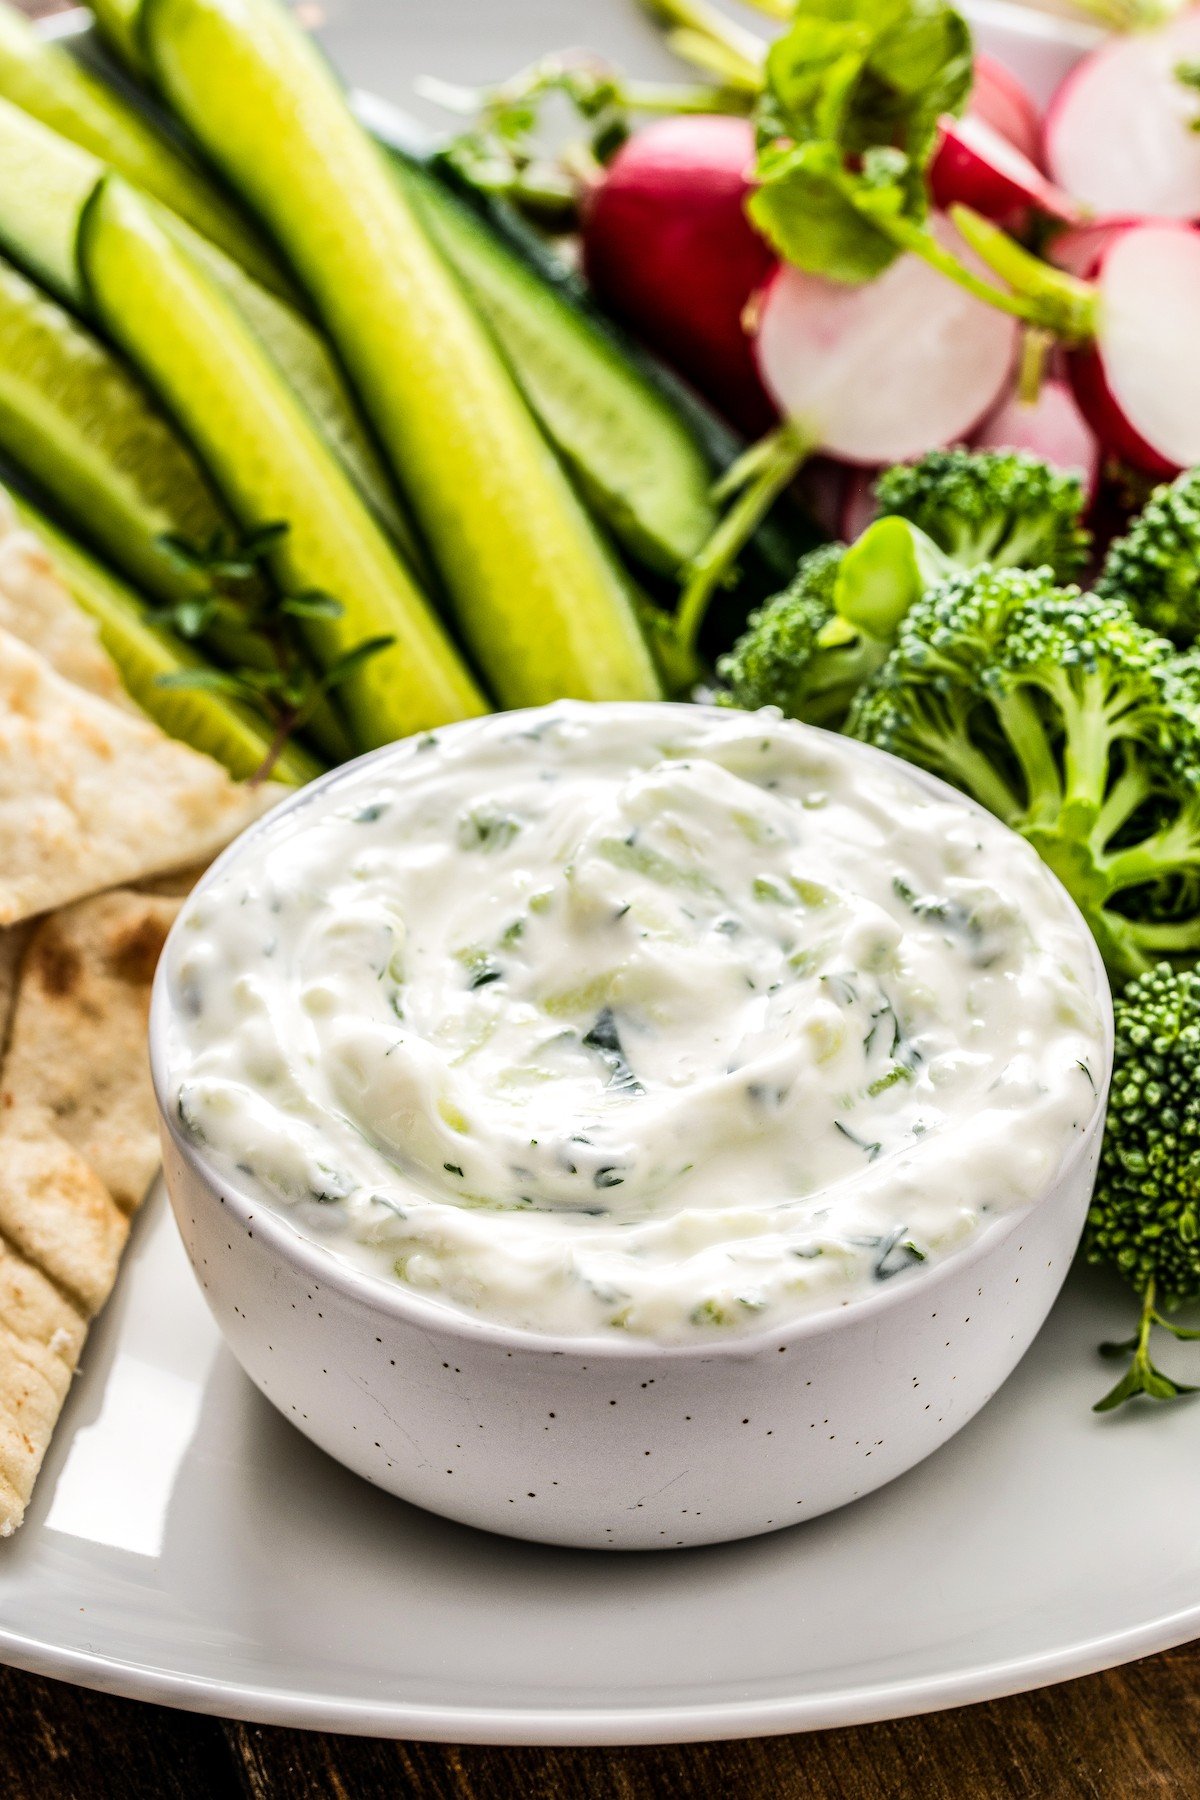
1027 739
1169 850
757 479
1142 1377
951 753
1125 796
1165 938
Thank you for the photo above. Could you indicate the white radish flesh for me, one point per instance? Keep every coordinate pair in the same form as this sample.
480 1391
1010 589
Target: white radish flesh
975 166
998 98
1052 427
1118 132
1078 248
877 373
1139 383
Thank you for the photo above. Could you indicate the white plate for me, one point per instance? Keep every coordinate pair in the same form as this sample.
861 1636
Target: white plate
185 1545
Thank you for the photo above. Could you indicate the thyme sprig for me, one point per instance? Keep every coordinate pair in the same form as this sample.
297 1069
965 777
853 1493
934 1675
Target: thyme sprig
233 597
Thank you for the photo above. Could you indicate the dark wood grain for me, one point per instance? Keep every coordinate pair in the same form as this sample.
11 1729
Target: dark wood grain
1121 1736
1130 1733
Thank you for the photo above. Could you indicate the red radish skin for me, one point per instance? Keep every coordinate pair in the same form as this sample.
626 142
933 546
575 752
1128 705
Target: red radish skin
976 166
821 486
1118 131
1052 427
668 248
1138 384
998 98
883 371
858 503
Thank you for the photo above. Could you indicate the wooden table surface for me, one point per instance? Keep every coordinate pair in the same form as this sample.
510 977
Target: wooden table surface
1118 1736
1132 1733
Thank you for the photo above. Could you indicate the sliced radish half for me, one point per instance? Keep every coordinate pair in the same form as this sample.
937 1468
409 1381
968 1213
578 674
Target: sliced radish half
881 372
1139 383
1052 427
998 98
668 248
975 166
1119 131
1078 248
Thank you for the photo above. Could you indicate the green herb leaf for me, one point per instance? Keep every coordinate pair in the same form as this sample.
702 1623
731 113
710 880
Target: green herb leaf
847 126
353 660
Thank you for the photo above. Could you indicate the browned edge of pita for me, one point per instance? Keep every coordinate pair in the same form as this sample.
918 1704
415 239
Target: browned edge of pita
78 1149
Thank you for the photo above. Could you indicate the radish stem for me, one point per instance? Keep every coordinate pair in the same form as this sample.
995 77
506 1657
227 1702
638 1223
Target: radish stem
1036 345
754 482
701 34
1042 295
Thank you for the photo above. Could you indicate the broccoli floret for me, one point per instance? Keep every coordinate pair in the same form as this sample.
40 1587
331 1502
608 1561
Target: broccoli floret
1002 507
1155 569
1066 718
797 654
1145 1217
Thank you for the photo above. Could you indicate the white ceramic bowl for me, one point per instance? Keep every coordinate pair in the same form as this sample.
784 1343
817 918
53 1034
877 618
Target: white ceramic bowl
619 1443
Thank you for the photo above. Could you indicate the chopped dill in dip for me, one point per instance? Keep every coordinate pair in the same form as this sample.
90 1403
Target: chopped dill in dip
652 1018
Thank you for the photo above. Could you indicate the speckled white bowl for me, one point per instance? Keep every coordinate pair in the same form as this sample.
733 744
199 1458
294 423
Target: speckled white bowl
618 1443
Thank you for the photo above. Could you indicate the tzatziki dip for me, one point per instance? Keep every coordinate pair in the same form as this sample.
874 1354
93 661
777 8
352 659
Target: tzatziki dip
659 1019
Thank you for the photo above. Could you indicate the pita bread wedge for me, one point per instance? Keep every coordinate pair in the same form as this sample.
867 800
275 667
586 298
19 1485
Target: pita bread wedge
41 1335
36 607
91 797
77 1050
78 1148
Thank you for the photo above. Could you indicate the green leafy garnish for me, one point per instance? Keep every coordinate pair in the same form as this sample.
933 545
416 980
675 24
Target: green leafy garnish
233 593
847 124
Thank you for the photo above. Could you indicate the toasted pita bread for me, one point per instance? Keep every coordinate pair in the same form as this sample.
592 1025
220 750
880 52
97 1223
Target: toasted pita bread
91 797
78 1148
36 607
41 1335
77 1049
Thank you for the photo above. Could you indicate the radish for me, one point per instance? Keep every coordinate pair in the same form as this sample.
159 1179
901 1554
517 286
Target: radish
1052 427
668 248
858 503
998 98
1138 380
1119 130
869 375
876 373
1078 248
976 166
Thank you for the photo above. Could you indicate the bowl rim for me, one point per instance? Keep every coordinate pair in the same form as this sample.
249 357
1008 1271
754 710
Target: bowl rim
391 1300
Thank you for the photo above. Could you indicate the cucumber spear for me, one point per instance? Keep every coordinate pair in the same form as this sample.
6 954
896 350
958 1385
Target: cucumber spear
45 183
49 83
339 573
150 662
538 597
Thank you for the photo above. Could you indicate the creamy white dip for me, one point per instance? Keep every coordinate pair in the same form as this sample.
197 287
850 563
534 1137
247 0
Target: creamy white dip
660 1019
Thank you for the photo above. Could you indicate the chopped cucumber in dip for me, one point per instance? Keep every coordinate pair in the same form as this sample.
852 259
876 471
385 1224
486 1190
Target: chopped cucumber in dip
667 1020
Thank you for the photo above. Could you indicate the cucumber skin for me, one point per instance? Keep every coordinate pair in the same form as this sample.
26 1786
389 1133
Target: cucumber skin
770 559
788 532
123 502
141 651
271 461
51 85
536 592
58 384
